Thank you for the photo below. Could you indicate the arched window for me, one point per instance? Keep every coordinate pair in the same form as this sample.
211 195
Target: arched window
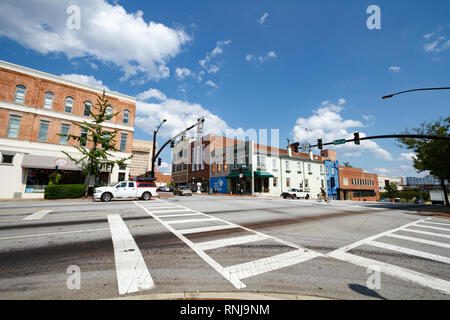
48 100
109 111
87 108
126 115
19 96
68 105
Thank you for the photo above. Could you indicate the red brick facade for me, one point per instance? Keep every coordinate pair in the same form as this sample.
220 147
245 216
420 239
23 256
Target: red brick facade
36 88
357 185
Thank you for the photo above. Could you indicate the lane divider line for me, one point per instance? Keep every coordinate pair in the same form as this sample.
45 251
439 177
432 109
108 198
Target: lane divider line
37 215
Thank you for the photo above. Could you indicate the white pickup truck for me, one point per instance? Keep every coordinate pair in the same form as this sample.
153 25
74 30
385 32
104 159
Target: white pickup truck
295 194
127 189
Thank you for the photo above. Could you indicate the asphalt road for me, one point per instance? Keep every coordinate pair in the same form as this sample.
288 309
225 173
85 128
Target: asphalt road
341 250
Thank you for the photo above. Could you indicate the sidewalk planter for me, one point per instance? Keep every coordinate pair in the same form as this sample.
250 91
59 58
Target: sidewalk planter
64 191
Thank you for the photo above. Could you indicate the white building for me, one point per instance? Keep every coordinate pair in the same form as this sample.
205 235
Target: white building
384 180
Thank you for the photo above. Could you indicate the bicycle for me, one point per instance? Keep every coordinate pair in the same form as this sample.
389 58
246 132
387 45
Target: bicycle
320 197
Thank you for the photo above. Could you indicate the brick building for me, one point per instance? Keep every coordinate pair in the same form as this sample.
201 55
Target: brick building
34 108
357 185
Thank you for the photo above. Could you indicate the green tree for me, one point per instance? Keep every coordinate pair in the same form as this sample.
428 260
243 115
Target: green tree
347 164
431 154
392 190
96 144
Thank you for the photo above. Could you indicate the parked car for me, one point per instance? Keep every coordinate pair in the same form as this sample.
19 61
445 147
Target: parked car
418 201
295 194
182 191
127 189
384 200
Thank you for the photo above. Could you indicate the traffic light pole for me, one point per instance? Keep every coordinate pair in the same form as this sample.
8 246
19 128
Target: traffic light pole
390 136
155 156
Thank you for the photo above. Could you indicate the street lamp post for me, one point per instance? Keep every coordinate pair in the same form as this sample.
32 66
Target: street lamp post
154 149
423 89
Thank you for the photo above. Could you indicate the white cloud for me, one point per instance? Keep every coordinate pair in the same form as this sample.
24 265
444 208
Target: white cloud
394 69
180 115
151 93
107 33
263 18
89 80
342 101
327 124
183 73
218 50
261 59
165 168
437 41
211 84
407 156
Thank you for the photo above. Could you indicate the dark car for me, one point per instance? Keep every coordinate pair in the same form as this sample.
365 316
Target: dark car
419 201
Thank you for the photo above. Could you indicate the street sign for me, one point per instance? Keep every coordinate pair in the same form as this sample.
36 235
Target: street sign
340 141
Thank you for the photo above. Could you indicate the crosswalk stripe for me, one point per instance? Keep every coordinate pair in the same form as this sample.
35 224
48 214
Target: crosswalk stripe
208 245
439 223
253 268
179 215
188 220
428 233
169 210
408 251
424 241
132 273
430 227
207 229
395 271
37 215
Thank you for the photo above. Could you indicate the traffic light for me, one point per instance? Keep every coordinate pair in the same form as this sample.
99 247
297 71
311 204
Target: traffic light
172 144
159 162
356 135
319 144
295 146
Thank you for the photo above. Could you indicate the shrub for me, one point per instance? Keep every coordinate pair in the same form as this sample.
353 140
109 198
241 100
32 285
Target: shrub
64 191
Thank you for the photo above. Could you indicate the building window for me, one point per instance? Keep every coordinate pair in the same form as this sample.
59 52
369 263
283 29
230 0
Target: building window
126 115
43 130
48 100
321 169
19 96
299 167
275 180
288 182
65 128
225 166
109 111
84 134
309 167
7 158
213 167
218 167
275 164
332 170
123 141
68 105
321 183
287 165
345 181
261 161
306 183
14 125
87 109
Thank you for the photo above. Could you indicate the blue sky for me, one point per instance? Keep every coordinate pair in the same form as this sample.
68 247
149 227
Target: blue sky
251 65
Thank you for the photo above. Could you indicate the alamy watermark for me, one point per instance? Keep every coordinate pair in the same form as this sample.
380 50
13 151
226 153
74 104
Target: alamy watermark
74 280
374 20
374 280
73 22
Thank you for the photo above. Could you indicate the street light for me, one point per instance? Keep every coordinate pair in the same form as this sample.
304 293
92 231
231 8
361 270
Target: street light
424 89
154 148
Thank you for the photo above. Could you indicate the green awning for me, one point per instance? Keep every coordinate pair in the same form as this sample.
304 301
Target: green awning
235 175
260 174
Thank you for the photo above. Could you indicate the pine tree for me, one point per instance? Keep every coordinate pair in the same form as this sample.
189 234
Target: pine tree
97 144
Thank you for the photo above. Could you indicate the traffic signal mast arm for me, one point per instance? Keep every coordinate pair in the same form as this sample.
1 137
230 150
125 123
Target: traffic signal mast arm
391 136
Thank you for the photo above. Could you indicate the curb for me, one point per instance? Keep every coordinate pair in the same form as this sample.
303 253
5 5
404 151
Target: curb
221 296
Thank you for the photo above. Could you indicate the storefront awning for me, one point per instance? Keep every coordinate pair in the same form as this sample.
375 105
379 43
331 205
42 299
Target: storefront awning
235 175
46 162
260 174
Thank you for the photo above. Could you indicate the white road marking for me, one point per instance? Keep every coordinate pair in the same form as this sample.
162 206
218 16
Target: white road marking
424 241
253 268
408 251
399 272
168 210
234 277
37 215
395 271
180 215
132 273
430 227
52 233
439 223
428 233
207 229
189 220
208 245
